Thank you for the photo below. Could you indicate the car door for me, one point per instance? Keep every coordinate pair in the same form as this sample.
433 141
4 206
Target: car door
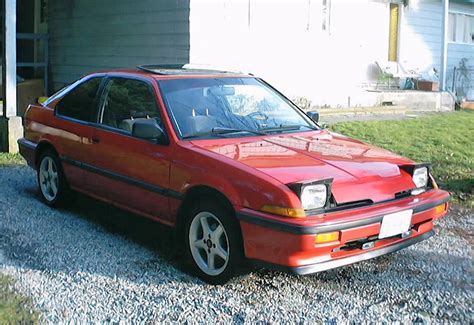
130 172
75 116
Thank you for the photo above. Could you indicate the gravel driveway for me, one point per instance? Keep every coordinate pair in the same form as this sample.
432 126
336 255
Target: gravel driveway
96 263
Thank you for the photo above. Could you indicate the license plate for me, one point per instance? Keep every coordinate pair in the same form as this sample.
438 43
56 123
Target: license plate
395 223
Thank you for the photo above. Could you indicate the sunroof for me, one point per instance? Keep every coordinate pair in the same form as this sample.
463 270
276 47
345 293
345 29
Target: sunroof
175 69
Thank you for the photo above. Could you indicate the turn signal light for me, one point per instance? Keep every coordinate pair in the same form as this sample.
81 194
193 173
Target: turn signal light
441 208
287 212
327 237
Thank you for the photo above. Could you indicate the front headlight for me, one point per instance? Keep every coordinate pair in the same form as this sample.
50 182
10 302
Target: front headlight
420 177
313 196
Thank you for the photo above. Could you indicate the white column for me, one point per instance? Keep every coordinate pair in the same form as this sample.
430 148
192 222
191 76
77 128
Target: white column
9 59
444 54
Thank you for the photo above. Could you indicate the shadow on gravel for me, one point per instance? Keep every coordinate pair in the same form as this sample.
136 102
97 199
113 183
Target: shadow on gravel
146 232
35 236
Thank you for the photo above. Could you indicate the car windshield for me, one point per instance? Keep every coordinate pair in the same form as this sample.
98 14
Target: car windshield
230 107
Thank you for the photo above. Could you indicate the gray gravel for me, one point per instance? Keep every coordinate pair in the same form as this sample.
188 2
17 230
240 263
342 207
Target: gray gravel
95 263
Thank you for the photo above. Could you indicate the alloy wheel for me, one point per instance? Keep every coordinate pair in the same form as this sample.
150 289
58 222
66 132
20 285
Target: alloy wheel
48 178
209 243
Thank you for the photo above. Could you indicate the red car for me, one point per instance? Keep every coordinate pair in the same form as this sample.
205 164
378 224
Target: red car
233 165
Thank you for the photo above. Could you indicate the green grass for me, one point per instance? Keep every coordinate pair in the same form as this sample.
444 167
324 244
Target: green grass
445 140
10 159
14 309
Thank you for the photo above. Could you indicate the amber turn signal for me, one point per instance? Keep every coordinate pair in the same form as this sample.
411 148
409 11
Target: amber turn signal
441 208
287 212
327 237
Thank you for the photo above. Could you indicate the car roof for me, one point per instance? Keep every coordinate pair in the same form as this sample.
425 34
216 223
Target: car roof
177 72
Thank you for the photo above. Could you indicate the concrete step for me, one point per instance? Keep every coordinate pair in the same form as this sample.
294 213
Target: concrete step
378 110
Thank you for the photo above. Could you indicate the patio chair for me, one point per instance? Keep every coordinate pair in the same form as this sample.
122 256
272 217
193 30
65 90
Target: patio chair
391 70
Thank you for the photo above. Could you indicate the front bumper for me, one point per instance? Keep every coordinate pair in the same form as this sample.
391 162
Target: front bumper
331 264
289 244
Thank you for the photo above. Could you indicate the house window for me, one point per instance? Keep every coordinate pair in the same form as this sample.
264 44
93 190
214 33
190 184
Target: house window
461 28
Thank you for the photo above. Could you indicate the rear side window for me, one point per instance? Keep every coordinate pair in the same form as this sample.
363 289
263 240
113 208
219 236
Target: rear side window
79 102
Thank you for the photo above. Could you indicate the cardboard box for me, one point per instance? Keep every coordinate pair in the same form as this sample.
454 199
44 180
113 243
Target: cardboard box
27 93
428 85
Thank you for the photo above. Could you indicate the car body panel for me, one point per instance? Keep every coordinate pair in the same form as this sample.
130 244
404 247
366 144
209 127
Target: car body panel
154 180
360 171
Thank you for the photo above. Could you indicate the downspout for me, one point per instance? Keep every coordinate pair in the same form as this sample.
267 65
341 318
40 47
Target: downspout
444 54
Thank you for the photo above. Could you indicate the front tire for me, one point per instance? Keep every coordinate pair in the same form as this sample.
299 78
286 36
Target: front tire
51 180
213 242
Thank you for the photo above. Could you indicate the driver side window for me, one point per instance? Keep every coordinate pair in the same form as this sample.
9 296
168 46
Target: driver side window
126 101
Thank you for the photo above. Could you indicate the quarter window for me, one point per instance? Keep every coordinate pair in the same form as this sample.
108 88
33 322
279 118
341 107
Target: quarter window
126 101
79 102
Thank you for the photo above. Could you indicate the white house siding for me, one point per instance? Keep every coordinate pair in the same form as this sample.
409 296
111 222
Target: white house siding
91 35
458 51
421 35
283 42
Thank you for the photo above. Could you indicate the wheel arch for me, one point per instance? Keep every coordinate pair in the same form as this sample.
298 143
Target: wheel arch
194 193
42 147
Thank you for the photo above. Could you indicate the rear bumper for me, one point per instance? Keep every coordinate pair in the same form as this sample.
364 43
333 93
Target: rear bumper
291 246
28 151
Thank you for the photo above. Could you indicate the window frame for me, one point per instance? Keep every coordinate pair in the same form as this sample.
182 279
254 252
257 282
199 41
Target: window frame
65 91
102 97
457 12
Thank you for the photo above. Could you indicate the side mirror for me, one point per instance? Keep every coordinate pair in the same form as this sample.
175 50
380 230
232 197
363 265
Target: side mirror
148 129
314 116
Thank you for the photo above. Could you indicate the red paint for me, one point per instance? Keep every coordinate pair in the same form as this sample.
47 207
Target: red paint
251 172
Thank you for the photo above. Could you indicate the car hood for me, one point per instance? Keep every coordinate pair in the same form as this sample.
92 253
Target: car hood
359 171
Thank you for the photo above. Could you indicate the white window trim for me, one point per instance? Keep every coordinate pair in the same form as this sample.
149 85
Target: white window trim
461 43
456 12
461 13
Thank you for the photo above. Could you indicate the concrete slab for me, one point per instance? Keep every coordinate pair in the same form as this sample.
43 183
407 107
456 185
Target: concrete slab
426 101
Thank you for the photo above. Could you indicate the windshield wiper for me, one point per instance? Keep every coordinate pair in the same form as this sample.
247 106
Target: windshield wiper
288 127
221 131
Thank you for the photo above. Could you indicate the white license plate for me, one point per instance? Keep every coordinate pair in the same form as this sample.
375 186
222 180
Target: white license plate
395 223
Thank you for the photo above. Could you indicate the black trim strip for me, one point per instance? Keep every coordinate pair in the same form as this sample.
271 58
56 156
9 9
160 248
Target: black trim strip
360 204
123 178
305 230
331 264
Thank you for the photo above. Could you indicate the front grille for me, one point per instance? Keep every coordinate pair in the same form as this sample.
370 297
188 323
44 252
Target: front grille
403 194
362 243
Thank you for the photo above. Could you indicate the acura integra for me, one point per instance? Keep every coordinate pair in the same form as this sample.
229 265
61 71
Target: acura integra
234 166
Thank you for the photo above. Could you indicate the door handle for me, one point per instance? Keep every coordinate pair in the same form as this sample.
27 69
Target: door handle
95 140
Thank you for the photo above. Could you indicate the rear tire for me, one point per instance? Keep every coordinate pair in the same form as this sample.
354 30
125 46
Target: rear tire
51 180
213 242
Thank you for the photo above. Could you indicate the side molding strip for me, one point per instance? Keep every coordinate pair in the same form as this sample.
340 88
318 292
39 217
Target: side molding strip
123 178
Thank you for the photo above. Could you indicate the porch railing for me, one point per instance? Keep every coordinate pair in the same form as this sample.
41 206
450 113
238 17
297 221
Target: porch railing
462 83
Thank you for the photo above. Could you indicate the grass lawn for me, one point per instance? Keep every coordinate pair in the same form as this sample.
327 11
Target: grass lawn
14 309
445 140
9 159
